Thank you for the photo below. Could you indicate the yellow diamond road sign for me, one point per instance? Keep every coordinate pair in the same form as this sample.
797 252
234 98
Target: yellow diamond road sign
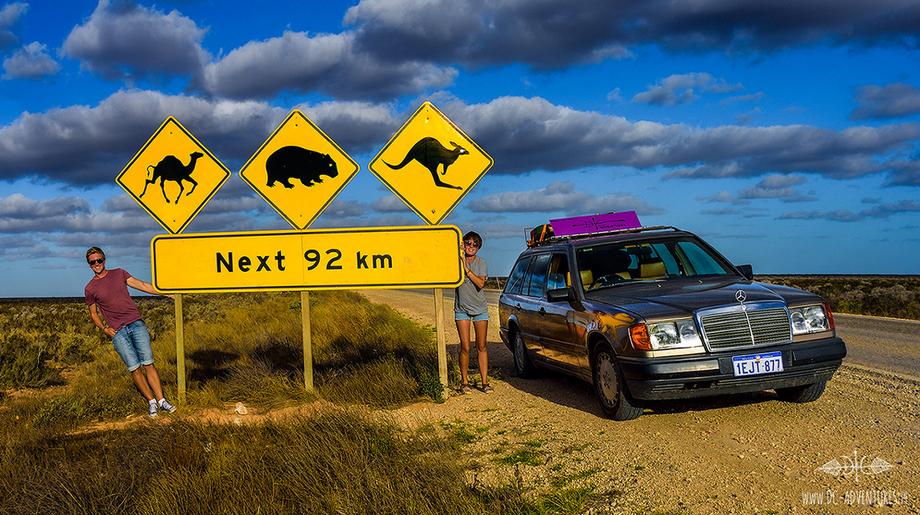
430 163
299 170
173 176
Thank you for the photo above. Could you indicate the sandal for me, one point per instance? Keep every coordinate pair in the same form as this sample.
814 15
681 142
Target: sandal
465 389
486 388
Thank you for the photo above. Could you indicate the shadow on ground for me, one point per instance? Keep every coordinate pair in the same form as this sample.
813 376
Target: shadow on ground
564 390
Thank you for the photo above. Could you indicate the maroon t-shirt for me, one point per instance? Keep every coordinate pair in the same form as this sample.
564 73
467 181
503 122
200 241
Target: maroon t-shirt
111 295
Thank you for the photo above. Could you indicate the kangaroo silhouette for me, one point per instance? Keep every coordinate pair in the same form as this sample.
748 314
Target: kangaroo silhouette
171 169
430 153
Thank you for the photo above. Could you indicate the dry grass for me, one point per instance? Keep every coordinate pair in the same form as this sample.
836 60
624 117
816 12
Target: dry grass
333 463
240 348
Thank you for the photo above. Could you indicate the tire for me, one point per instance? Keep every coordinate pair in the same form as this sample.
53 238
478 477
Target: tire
609 387
802 394
522 364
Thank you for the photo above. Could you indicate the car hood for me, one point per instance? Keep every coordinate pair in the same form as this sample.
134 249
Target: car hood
683 297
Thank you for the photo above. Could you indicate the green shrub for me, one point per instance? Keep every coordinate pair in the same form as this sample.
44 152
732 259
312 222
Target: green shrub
23 363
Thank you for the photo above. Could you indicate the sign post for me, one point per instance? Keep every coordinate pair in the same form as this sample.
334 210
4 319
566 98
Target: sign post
414 165
174 156
307 340
180 348
299 170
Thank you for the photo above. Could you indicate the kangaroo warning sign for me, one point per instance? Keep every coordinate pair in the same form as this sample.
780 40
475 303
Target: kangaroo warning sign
321 259
173 176
430 163
299 170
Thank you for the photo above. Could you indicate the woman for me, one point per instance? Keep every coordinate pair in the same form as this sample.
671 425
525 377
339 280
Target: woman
470 305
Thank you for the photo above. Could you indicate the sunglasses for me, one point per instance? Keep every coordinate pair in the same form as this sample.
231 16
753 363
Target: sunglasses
471 244
94 262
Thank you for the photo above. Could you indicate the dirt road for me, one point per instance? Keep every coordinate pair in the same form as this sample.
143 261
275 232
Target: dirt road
856 448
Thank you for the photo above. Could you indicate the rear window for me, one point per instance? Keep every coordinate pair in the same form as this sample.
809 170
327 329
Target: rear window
517 275
537 283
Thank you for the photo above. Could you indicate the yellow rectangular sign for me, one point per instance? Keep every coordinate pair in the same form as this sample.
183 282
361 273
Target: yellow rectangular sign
321 259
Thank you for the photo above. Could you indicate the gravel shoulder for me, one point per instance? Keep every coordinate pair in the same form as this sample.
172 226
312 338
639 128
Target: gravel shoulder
738 454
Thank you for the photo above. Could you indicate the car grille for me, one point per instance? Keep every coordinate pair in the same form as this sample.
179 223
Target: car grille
734 328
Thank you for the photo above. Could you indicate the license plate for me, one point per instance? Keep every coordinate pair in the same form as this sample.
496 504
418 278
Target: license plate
756 364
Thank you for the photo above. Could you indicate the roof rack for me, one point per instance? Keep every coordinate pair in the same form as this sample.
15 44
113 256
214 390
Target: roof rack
579 236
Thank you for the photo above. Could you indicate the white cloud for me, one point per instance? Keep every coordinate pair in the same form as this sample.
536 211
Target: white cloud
683 88
328 63
890 101
88 145
30 62
9 15
542 34
560 196
124 39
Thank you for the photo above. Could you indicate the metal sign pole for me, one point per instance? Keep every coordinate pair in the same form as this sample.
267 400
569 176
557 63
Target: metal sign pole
307 340
442 338
180 348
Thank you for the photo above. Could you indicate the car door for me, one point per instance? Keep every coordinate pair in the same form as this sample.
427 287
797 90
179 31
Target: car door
532 290
557 334
510 301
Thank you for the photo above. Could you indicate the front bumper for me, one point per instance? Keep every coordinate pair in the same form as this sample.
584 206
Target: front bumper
712 374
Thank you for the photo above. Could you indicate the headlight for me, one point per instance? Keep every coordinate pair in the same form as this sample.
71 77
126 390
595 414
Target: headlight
809 319
679 334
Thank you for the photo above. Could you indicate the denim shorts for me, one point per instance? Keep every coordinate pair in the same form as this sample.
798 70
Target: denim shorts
132 342
463 315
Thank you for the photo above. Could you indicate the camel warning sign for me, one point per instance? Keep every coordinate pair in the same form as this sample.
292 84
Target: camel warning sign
299 170
173 176
430 163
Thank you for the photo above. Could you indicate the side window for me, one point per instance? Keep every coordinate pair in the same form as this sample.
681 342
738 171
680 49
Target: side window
558 273
665 255
700 260
517 275
538 275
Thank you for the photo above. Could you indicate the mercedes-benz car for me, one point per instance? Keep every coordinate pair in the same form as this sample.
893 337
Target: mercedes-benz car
656 313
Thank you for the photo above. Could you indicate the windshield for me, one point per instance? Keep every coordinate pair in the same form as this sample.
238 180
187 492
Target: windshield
613 264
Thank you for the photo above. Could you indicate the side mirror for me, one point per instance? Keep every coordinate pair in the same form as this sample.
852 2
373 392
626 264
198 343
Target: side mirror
560 294
746 270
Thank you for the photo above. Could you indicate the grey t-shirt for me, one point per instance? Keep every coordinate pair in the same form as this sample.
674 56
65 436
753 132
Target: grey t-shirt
469 299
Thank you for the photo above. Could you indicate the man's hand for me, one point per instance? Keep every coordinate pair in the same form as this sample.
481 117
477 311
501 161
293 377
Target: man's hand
109 331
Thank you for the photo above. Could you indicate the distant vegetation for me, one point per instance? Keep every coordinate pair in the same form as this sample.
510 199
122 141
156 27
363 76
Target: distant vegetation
888 296
58 374
876 295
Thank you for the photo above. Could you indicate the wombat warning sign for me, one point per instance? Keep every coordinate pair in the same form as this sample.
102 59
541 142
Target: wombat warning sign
299 170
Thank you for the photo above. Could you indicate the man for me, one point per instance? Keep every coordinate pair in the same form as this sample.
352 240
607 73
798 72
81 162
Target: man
120 319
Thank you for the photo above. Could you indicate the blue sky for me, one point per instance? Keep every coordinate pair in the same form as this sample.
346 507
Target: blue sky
786 134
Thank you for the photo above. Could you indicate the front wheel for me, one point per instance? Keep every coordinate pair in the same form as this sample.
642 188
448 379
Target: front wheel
802 394
608 386
522 364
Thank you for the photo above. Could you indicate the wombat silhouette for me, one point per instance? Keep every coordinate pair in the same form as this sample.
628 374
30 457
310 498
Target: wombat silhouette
171 169
294 162
430 153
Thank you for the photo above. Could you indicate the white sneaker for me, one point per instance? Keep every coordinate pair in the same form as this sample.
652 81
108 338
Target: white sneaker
152 409
166 406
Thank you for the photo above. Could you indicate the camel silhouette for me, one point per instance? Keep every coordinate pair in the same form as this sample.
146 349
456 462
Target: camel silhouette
171 169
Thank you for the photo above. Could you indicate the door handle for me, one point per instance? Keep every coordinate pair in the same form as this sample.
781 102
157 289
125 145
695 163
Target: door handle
517 306
542 311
